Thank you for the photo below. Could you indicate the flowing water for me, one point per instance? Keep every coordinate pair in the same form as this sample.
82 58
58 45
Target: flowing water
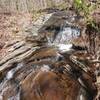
22 70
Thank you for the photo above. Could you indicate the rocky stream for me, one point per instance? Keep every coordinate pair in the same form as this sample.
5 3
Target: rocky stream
50 61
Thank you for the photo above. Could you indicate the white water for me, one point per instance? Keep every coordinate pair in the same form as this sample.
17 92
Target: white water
45 68
63 40
66 35
64 47
11 73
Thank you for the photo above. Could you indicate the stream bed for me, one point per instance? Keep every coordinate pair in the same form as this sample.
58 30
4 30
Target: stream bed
48 65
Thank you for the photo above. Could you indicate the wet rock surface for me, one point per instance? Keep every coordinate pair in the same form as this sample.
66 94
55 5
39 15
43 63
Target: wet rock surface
48 65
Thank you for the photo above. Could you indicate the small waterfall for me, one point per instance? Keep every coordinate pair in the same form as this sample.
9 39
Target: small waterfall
64 38
18 81
66 35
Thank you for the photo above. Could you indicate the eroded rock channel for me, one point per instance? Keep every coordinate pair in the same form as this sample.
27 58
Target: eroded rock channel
50 64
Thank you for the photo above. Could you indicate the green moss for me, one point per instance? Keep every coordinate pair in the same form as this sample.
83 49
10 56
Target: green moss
87 9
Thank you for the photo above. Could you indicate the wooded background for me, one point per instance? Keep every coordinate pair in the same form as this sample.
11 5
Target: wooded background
29 5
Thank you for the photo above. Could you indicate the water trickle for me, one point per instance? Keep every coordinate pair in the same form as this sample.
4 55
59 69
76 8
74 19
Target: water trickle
64 38
64 47
66 35
45 68
11 73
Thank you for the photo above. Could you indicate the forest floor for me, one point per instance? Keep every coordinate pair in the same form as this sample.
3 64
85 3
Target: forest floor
11 24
